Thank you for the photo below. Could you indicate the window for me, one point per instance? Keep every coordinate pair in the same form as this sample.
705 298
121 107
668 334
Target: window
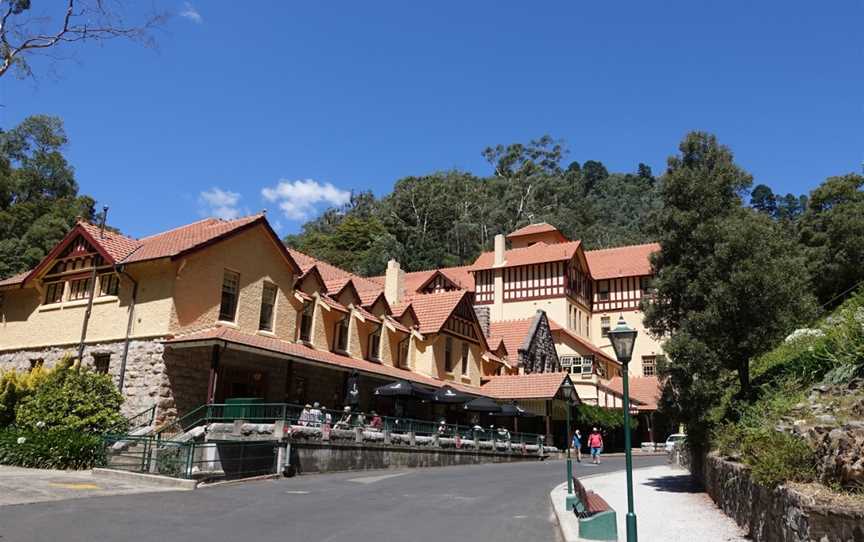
36 363
403 353
108 284
54 292
340 338
605 325
306 321
603 291
587 366
464 359
101 362
230 288
645 283
448 354
375 344
79 289
649 365
587 326
268 303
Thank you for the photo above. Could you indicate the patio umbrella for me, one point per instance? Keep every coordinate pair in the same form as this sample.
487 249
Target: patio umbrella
512 411
482 404
448 395
403 388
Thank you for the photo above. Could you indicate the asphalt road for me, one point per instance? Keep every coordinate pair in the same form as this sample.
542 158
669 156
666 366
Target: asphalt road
501 502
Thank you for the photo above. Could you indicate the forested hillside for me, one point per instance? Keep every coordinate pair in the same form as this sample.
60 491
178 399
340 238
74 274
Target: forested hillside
447 218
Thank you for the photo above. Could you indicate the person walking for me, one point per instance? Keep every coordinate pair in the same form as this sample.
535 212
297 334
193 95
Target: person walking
595 442
577 445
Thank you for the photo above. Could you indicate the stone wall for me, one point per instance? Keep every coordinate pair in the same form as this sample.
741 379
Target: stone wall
145 382
541 356
312 457
783 514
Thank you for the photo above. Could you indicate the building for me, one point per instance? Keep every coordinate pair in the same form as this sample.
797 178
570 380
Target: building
221 309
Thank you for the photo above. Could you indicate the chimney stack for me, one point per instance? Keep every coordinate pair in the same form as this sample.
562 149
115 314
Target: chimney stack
499 250
394 282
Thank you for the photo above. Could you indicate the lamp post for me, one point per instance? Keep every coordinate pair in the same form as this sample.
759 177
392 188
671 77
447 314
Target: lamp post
623 338
570 500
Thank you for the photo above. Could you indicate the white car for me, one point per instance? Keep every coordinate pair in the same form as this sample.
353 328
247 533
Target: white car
673 439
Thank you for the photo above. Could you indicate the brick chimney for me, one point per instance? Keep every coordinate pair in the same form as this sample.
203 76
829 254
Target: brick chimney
394 282
482 312
499 250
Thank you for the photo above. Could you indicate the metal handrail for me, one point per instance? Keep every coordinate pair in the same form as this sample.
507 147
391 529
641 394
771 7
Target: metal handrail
142 419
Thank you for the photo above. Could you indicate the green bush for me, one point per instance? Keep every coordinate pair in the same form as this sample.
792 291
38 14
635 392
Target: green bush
51 449
74 399
15 386
608 418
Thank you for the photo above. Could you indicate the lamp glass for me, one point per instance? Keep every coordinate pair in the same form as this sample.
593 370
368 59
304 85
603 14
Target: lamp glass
623 338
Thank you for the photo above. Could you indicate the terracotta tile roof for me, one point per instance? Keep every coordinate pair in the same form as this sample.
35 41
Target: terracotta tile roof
432 310
14 279
532 386
327 300
513 333
115 244
367 315
334 277
629 261
460 276
280 346
179 240
531 229
645 390
398 325
558 328
538 253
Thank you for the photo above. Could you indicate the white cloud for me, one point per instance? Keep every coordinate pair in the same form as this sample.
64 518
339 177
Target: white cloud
189 12
220 203
299 199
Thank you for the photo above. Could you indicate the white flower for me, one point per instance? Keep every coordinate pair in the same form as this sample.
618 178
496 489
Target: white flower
40 425
22 440
804 333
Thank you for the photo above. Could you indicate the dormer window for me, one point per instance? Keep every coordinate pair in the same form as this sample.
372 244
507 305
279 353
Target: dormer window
306 321
340 336
375 344
464 359
448 354
54 292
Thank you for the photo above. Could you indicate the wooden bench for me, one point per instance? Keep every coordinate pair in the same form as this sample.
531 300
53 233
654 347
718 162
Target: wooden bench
597 520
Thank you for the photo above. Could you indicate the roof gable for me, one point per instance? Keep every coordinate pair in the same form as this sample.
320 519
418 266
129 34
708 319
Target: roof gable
535 254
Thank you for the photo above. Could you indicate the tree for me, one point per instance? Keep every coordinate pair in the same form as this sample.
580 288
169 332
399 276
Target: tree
39 198
762 199
729 281
24 33
832 230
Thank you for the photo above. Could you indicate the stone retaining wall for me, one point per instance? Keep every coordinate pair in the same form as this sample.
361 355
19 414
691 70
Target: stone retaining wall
782 514
145 382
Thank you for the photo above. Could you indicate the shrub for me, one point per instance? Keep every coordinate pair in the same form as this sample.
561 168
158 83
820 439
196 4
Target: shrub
609 418
14 386
51 449
75 399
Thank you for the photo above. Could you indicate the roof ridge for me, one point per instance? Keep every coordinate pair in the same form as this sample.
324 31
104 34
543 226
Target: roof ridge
177 228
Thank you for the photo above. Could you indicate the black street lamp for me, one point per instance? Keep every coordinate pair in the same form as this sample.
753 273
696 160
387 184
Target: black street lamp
623 338
570 500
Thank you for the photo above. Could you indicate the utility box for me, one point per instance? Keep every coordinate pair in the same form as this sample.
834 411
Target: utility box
242 408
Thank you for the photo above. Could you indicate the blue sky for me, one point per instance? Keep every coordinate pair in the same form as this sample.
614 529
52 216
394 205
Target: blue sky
289 105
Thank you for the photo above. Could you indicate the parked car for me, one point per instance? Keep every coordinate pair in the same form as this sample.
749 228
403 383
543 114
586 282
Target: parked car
673 439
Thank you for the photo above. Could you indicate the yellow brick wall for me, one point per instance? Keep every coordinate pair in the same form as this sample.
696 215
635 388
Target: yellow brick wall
198 286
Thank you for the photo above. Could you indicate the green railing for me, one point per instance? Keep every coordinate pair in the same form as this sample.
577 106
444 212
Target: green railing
142 419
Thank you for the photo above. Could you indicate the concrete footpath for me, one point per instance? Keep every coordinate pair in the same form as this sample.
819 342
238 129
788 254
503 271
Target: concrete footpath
23 486
668 507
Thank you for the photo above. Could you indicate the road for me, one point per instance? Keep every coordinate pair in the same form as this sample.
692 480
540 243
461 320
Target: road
501 502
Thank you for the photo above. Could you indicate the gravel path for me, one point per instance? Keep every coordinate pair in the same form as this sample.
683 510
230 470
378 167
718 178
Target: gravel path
668 507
